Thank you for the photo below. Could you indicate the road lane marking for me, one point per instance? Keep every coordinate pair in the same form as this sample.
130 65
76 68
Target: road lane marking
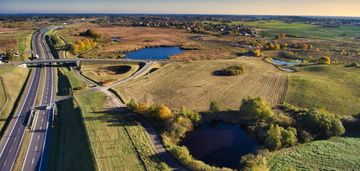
32 161
35 148
38 137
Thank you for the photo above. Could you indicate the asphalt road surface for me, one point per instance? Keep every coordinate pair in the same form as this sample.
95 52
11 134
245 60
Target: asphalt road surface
13 136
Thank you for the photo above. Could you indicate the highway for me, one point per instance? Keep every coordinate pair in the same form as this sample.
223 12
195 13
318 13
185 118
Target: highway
36 156
13 137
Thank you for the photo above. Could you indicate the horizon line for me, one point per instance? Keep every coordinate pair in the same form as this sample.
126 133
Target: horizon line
136 13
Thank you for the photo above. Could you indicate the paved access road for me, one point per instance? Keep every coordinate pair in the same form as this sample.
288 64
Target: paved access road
13 136
36 156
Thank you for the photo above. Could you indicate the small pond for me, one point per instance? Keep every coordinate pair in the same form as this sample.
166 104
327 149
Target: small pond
154 53
219 144
287 63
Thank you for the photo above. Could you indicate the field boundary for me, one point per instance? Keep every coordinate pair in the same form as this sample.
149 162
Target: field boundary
6 95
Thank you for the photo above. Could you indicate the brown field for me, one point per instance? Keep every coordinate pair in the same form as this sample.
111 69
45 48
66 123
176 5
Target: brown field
16 40
204 46
193 85
108 73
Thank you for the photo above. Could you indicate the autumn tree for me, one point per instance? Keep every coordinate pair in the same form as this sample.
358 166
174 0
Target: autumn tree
274 137
255 109
325 60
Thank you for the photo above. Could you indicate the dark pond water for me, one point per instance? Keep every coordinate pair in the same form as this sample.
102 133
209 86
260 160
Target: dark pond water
154 53
219 144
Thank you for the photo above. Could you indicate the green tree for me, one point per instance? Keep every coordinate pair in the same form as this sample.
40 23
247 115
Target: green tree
214 106
255 109
274 137
132 106
9 55
289 137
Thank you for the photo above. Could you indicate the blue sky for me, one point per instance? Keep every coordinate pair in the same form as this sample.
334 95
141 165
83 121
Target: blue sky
270 7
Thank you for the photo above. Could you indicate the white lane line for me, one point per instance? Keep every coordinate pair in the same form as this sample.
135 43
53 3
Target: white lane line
41 127
32 161
42 120
4 163
10 150
35 148
38 136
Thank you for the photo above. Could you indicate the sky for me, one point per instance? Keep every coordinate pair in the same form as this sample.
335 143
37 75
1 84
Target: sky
249 7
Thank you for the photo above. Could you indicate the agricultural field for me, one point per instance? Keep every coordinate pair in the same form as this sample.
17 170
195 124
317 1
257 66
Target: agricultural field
11 82
16 40
183 83
105 73
338 153
333 87
133 38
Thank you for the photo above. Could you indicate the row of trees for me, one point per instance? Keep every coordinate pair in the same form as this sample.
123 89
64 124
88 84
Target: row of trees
91 33
82 45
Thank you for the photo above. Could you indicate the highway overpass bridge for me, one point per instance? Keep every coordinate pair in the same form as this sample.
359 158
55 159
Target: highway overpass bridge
78 62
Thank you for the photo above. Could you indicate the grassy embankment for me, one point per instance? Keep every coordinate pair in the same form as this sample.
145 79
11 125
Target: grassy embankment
183 83
333 87
13 79
102 73
117 141
70 149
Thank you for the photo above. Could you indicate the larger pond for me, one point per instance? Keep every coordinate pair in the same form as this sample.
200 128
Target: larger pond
219 144
154 53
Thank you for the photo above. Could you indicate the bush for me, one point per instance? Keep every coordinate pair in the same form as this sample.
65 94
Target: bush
164 113
132 106
192 115
320 123
251 162
355 64
255 109
278 137
91 33
232 70
214 106
325 60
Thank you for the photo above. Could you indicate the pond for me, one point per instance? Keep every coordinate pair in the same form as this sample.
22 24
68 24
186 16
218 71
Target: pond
219 144
154 53
287 63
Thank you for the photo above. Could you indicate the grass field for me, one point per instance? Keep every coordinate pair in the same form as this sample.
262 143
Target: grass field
193 85
17 40
334 154
273 27
13 79
105 72
333 87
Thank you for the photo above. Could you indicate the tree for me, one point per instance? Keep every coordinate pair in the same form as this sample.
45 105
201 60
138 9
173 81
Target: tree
274 137
214 106
289 137
164 113
142 108
277 47
193 116
255 109
257 53
9 55
132 106
320 123
325 60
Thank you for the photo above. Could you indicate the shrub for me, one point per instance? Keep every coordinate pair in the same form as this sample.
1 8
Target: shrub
251 162
132 106
255 109
355 64
257 53
91 33
274 137
289 137
164 113
192 115
179 127
214 106
142 108
232 70
320 123
325 60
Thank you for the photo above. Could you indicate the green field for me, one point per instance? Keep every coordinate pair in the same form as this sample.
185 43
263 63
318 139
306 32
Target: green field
333 87
273 27
333 154
13 79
